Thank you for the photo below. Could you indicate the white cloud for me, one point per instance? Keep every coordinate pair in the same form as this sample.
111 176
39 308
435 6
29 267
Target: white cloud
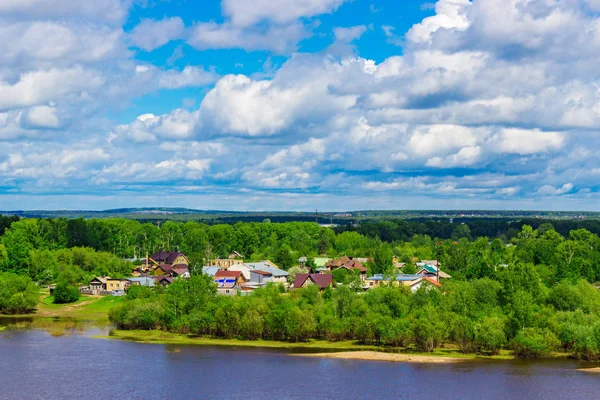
190 76
246 13
523 141
276 38
41 117
150 34
112 11
549 190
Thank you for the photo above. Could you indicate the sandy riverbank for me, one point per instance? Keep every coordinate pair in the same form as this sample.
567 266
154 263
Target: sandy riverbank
592 370
389 357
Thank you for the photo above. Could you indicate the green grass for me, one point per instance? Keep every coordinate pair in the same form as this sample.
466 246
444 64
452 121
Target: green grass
162 337
48 302
86 308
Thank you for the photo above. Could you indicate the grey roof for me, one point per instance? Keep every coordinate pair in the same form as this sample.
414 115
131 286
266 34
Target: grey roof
144 280
211 271
263 266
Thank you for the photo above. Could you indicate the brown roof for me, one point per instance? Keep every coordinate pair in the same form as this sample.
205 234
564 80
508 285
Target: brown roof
433 281
179 271
321 280
227 274
346 262
166 257
166 267
256 271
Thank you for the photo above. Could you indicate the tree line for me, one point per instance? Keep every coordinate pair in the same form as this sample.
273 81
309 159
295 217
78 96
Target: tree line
513 311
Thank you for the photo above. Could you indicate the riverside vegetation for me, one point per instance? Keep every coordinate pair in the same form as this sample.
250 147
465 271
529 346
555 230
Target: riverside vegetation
529 291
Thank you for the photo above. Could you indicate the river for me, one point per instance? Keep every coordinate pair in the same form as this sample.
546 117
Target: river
36 365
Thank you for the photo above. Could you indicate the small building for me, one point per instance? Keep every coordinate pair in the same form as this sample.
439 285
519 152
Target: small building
98 284
243 268
141 281
117 286
321 280
431 271
228 282
348 263
163 280
180 271
279 275
260 277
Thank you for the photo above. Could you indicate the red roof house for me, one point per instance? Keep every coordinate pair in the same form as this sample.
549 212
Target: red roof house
321 280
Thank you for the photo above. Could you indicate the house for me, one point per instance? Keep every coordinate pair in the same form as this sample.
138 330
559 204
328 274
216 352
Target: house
260 277
235 256
228 282
141 281
321 280
348 263
169 257
279 275
243 268
180 271
224 263
117 286
163 280
98 284
431 271
413 281
163 269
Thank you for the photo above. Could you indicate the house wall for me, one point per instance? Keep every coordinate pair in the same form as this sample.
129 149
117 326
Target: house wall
181 260
114 285
242 268
224 263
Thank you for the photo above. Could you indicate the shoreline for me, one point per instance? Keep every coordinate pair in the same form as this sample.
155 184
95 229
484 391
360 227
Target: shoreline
595 370
388 357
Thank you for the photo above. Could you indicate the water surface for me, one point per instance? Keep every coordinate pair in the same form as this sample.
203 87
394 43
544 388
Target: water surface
35 365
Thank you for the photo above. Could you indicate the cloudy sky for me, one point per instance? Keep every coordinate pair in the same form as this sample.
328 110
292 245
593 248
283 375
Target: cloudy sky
300 104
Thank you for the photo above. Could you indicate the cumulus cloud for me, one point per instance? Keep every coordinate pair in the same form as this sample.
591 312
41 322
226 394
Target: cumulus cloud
245 13
150 34
276 38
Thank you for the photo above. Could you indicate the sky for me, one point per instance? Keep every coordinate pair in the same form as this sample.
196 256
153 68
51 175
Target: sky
300 104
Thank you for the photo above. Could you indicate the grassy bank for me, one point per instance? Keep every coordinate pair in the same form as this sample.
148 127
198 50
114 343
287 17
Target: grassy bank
87 308
324 346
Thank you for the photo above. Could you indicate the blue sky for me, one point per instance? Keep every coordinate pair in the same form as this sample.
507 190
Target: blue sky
299 104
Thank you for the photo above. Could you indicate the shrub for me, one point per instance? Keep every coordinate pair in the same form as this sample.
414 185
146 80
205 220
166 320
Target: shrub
534 343
65 293
18 294
490 336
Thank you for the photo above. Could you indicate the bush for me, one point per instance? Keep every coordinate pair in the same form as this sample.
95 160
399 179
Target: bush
136 314
490 336
64 293
18 294
534 343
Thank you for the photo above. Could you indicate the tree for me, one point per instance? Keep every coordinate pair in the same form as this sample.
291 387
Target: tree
18 294
383 259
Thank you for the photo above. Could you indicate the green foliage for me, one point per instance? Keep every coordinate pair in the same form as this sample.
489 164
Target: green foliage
18 294
489 335
65 293
534 343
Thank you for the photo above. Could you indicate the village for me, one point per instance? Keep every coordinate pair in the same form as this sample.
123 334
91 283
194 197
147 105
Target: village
234 276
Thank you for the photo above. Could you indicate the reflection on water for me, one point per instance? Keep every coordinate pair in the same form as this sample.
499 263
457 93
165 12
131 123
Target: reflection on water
35 365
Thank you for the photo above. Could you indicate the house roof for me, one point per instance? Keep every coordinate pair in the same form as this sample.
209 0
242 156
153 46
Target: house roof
101 279
267 267
159 279
346 262
166 257
433 281
181 270
227 274
321 280
265 273
144 280
209 270
166 267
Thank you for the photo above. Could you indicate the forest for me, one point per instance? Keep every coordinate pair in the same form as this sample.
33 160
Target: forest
532 290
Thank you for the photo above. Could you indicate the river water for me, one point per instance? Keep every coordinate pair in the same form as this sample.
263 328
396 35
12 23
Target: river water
36 365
